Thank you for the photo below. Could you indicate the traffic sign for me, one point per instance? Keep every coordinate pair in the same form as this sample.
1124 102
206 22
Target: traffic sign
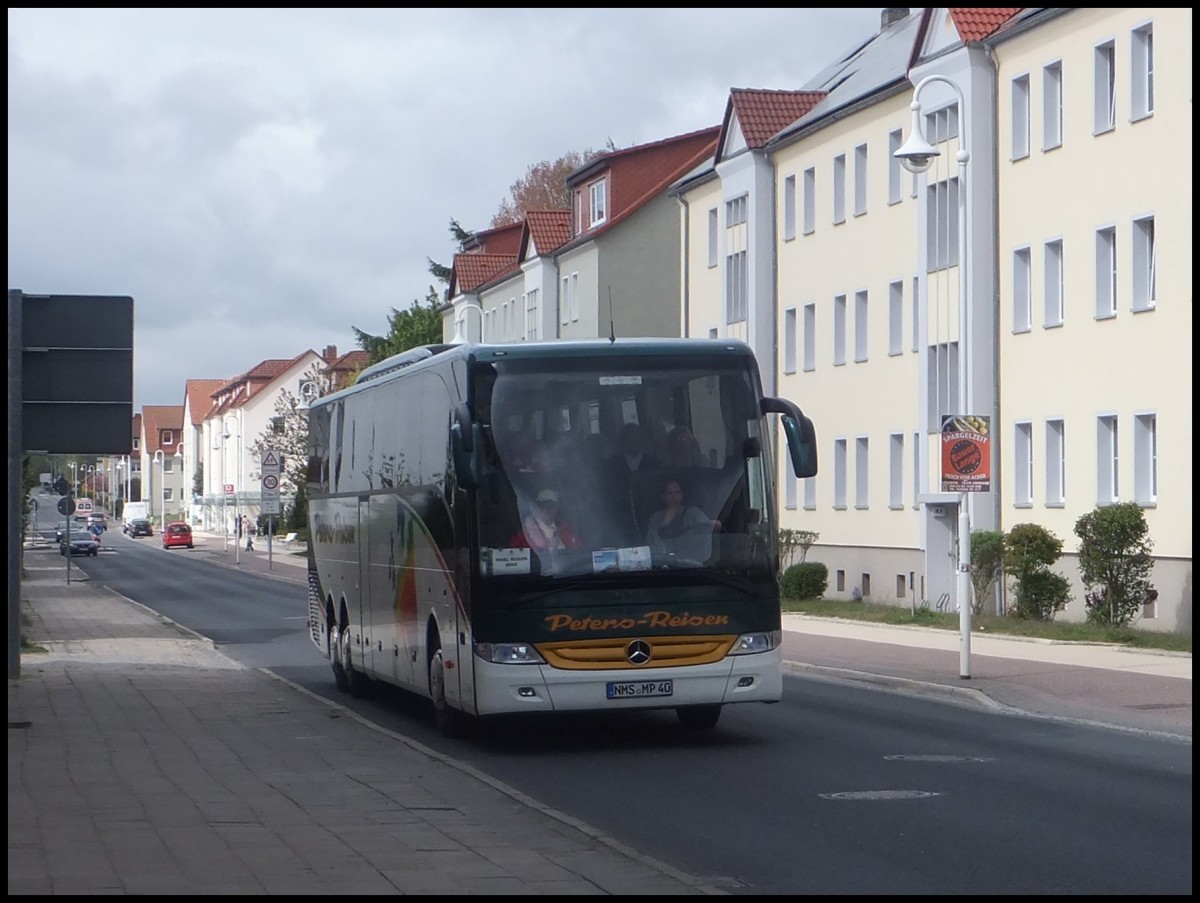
66 505
270 461
270 481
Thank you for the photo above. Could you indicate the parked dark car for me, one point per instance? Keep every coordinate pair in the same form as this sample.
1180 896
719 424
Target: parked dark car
82 543
138 527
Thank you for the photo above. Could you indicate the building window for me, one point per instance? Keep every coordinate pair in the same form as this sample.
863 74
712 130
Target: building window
810 494
574 297
1145 264
839 330
1023 465
810 336
597 203
861 328
901 586
789 340
167 496
916 466
789 208
789 488
712 237
895 170
840 578
1020 117
168 437
1106 273
942 225
810 201
862 472
1052 106
860 180
1145 459
564 302
735 211
167 465
1105 82
896 318
1108 485
916 315
533 315
942 383
839 189
1021 290
136 444
896 470
839 474
866 586
1056 463
737 287
1142 64
713 333
1053 311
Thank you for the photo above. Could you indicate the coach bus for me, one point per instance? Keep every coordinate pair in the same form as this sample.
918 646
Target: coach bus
424 477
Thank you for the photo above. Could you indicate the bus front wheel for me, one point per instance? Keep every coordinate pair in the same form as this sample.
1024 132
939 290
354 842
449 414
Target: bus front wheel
450 722
699 717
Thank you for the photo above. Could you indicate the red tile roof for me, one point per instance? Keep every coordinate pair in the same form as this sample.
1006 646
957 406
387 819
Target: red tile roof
159 417
763 113
473 270
199 397
504 239
547 229
974 23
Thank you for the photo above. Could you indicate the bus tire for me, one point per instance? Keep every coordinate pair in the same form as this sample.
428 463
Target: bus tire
348 679
450 721
699 717
334 643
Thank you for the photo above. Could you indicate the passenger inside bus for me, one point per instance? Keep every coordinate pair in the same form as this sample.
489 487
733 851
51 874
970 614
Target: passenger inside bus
543 529
680 529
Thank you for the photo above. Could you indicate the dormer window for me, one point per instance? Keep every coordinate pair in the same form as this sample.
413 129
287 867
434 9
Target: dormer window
168 438
597 203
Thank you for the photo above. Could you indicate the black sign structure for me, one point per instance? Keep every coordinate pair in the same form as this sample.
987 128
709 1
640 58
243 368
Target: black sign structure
76 373
66 505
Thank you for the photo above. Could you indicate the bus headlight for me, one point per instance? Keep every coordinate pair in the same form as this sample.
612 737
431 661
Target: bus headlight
753 643
509 653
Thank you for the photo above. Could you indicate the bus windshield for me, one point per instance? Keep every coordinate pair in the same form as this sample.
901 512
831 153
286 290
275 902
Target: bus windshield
617 467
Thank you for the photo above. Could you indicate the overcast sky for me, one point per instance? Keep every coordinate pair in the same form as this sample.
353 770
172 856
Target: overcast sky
260 181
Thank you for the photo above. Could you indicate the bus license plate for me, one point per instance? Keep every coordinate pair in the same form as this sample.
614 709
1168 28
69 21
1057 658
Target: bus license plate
638 689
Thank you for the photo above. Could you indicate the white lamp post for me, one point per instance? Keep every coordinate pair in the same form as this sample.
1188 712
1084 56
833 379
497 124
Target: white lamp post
179 464
460 322
237 505
917 155
74 479
160 459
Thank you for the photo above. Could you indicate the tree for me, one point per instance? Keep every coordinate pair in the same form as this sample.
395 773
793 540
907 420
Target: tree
987 564
1029 550
1115 562
419 325
288 433
793 541
544 186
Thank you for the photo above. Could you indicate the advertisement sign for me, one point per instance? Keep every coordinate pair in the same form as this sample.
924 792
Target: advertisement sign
966 453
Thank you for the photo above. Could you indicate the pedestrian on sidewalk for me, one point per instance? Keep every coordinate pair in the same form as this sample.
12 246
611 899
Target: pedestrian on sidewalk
249 531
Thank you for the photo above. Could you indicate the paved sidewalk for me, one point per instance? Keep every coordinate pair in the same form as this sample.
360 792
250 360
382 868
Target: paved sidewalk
143 761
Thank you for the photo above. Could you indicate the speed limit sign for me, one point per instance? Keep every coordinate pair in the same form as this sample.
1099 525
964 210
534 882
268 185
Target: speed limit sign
270 481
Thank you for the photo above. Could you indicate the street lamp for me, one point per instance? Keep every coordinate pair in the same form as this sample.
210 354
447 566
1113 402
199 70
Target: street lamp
916 155
460 322
179 466
91 473
160 459
74 479
237 504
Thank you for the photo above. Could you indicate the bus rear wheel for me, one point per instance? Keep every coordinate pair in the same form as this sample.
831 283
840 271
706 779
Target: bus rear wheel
347 678
699 717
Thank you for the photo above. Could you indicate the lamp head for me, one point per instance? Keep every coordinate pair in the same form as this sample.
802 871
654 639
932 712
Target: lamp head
916 155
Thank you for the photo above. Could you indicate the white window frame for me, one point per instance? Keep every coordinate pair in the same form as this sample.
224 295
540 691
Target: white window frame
1141 61
1052 309
575 297
597 203
1020 117
839 474
860 180
896 471
1022 289
1108 460
789 340
1145 264
810 200
839 189
713 234
564 302
1145 458
789 208
533 315
916 314
1056 463
895 170
895 318
1052 106
737 287
862 333
942 238
916 466
1022 464
810 494
839 330
810 337
789 487
1106 273
862 473
1104 79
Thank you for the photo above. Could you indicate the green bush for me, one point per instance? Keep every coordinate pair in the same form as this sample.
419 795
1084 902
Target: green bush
1115 562
1029 550
987 564
808 580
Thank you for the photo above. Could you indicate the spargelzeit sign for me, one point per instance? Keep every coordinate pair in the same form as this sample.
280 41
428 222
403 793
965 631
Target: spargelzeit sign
966 453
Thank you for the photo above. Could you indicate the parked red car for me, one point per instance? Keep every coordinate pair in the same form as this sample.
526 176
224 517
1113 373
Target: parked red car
177 534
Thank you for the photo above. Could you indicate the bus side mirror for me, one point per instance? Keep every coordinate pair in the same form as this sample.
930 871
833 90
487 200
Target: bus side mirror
801 436
465 443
